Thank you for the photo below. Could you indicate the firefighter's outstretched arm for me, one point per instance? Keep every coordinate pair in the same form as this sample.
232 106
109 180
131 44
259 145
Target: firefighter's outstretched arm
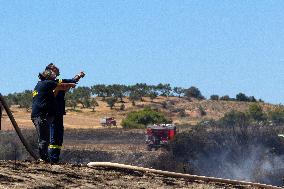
63 87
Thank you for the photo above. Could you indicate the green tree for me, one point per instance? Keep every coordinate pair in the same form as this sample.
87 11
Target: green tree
153 95
140 90
71 100
24 99
251 99
93 104
214 97
241 97
193 92
82 95
139 119
111 102
179 91
256 113
134 96
165 89
225 98
100 90
119 91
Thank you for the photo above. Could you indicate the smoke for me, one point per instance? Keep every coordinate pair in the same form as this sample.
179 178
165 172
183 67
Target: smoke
255 163
250 153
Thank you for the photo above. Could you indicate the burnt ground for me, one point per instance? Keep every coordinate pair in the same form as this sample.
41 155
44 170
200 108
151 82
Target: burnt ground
25 174
99 145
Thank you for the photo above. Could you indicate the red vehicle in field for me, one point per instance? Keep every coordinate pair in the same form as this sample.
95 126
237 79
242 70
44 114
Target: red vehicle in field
160 135
108 121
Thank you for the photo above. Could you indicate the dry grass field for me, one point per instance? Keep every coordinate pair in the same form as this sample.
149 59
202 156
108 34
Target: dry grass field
180 110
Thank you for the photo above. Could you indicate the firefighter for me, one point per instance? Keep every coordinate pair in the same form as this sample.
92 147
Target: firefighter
57 127
44 108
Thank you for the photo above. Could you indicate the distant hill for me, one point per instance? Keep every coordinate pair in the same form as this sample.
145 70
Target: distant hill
180 110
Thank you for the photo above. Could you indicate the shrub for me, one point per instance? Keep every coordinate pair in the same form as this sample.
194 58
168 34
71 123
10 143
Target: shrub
182 113
128 124
256 113
216 150
214 97
202 111
122 107
277 115
139 119
133 103
233 118
241 97
251 99
193 92
164 105
225 98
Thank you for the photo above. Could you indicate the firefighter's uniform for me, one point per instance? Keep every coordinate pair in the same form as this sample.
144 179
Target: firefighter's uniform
57 128
43 113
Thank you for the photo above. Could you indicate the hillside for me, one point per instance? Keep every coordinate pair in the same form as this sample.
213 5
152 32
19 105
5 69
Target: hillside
86 141
180 110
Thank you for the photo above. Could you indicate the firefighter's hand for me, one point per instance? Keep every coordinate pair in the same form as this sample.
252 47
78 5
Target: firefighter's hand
79 76
82 74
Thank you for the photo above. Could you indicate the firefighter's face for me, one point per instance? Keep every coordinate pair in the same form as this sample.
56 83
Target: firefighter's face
53 75
55 70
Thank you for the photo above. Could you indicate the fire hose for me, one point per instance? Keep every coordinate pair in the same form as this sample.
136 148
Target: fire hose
179 175
16 127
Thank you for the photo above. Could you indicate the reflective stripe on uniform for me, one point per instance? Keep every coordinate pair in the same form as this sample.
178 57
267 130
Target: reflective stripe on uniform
35 93
52 146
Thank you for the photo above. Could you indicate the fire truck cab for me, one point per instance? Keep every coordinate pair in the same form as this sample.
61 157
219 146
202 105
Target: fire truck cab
160 135
108 121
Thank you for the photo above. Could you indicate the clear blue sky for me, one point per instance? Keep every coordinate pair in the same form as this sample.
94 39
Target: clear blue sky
221 47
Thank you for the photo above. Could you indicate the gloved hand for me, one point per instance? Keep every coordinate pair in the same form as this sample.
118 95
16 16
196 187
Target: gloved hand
82 74
79 76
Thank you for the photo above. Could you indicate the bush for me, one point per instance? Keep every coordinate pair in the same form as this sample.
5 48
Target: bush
214 150
225 98
139 119
128 124
202 111
122 107
234 118
244 98
214 97
256 113
241 97
193 92
277 115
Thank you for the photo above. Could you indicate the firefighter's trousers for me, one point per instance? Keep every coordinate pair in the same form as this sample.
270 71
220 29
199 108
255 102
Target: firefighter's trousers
56 139
43 124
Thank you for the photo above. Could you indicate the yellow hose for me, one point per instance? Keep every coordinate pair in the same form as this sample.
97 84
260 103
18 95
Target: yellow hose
179 175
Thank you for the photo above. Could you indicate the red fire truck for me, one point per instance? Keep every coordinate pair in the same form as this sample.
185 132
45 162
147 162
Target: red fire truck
160 135
108 121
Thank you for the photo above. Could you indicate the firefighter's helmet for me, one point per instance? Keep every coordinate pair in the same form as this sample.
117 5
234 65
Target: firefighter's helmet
53 68
47 75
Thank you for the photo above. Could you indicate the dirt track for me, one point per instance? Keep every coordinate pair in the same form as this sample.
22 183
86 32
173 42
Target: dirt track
40 175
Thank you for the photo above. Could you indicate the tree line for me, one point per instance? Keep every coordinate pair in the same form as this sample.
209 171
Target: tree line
116 92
